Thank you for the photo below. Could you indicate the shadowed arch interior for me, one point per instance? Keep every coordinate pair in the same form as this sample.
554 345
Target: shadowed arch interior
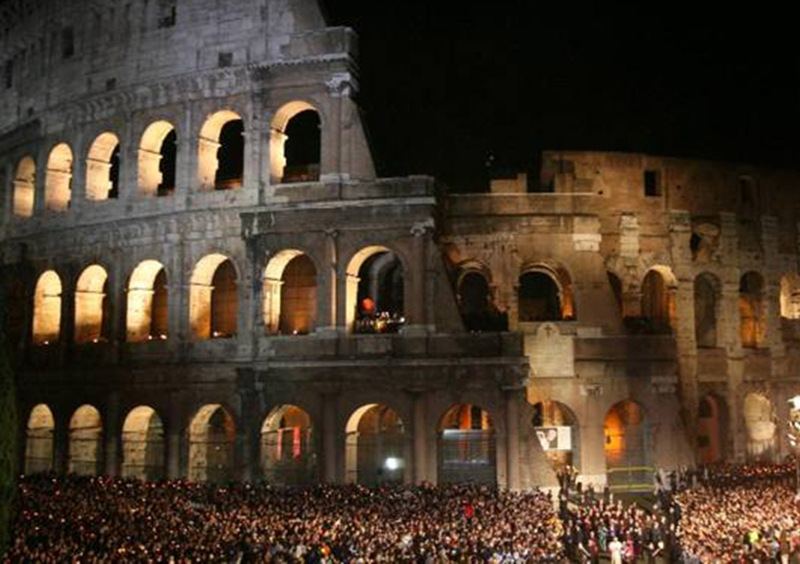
25 187
375 446
148 303
157 159
287 447
213 298
220 157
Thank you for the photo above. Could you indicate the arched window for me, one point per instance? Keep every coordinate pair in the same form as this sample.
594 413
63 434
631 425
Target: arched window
220 158
290 294
658 301
102 168
47 309
143 445
706 290
213 298
212 436
148 308
157 159
539 298
295 144
24 187
39 440
627 447
287 447
375 446
467 446
85 441
91 305
58 180
752 323
375 291
477 310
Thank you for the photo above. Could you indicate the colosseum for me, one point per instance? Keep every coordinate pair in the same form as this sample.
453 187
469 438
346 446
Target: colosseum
205 277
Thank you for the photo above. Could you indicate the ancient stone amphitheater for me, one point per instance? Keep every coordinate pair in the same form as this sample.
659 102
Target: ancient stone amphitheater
204 277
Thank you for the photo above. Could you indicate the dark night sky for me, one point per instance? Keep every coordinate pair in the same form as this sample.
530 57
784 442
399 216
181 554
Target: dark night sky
442 89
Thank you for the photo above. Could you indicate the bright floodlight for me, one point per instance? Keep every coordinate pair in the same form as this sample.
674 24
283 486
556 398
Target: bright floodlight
392 463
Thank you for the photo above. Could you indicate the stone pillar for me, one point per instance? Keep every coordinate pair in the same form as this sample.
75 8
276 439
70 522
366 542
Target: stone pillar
329 434
415 310
173 448
271 306
512 439
148 176
332 134
327 297
61 445
112 436
185 160
244 453
420 442
207 163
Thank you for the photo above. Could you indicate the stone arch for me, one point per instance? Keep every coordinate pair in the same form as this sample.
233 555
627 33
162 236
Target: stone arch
474 295
290 293
25 187
375 291
158 159
102 167
467 445
707 293
92 305
753 325
287 447
759 419
659 288
790 296
212 436
85 441
143 445
213 298
712 429
283 167
220 152
39 440
626 431
47 309
544 293
558 432
148 303
58 179
375 446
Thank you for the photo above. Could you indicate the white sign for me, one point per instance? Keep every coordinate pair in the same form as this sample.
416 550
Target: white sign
555 438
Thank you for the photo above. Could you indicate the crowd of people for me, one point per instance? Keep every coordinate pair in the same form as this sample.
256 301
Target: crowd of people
103 519
741 514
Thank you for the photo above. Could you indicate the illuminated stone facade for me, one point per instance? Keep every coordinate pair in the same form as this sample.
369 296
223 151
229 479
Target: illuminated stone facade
206 278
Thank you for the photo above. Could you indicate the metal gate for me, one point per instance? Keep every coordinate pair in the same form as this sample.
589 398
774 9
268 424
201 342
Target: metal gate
630 469
375 458
467 456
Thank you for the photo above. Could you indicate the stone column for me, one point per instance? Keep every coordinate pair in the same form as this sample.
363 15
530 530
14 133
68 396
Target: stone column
61 445
185 160
415 310
112 436
420 444
512 440
329 435
327 298
332 135
173 441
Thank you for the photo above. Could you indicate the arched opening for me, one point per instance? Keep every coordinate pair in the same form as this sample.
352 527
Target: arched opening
220 157
375 446
47 309
158 152
712 426
213 298
85 441
39 440
91 306
706 290
143 445
287 447
790 296
753 326
477 310
290 294
212 436
102 168
467 446
58 179
295 144
627 448
545 294
148 305
658 301
760 424
375 291
556 429
24 187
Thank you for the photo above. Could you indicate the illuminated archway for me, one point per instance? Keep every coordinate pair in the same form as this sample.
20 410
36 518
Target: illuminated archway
39 440
375 446
287 447
85 441
157 159
102 168
91 305
545 294
658 300
290 294
47 309
467 446
375 291
148 308
220 152
25 187
557 431
295 143
143 445
58 179
760 425
212 436
627 447
213 298
753 326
